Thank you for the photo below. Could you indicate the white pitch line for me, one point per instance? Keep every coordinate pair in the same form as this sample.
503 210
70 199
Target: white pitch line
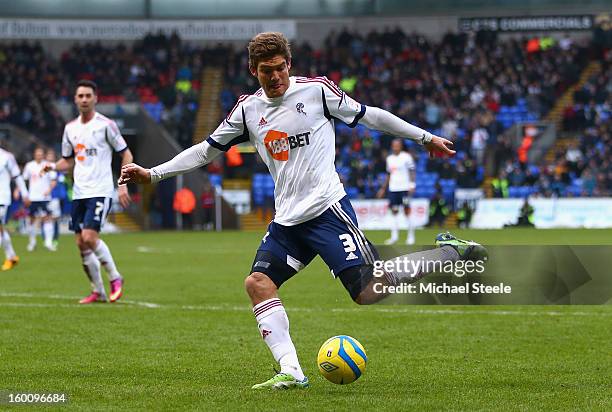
65 297
221 308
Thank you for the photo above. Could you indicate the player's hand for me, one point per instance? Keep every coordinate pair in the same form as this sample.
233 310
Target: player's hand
47 168
439 147
27 202
124 196
132 173
411 188
380 194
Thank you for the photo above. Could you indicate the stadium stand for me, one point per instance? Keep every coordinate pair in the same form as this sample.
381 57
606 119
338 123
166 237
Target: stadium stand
469 87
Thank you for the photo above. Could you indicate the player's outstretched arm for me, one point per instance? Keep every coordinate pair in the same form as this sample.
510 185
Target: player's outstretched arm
61 165
190 159
379 119
124 195
133 173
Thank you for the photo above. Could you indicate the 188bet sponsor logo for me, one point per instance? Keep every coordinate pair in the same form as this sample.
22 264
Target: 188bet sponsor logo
278 143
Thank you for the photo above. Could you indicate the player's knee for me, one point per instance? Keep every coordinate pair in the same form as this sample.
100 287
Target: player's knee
363 299
355 280
89 239
258 283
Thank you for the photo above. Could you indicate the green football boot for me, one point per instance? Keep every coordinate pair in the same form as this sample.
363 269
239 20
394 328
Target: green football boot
467 249
282 381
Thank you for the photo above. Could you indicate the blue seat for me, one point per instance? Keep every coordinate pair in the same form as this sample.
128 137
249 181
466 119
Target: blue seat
352 192
215 179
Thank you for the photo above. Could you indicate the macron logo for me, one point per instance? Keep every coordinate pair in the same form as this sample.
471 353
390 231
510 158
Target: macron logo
265 333
262 122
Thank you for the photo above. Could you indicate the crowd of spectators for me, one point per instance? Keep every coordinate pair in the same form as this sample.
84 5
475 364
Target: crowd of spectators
29 83
160 71
468 87
583 168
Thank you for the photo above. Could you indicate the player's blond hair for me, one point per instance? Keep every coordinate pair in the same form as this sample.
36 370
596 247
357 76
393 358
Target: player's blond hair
267 45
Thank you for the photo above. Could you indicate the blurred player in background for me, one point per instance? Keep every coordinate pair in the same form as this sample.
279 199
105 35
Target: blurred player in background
290 121
40 187
87 146
55 206
401 182
9 170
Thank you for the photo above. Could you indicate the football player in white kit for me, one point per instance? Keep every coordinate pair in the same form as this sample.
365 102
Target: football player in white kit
290 121
400 179
9 170
88 145
40 187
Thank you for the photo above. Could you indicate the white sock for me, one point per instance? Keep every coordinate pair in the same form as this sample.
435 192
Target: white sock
106 259
91 266
409 227
395 226
33 232
273 325
48 232
7 245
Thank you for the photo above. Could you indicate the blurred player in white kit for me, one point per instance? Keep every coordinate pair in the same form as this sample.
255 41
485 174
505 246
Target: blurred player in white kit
9 170
401 183
40 187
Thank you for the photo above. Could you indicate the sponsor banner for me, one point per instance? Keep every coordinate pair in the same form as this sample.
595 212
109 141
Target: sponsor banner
137 29
504 275
548 213
527 23
374 214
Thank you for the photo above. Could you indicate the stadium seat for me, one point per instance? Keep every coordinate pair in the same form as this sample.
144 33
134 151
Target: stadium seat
215 179
352 192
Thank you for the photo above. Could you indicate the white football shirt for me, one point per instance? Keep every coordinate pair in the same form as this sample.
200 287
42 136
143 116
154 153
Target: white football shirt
294 135
39 184
8 170
92 145
398 167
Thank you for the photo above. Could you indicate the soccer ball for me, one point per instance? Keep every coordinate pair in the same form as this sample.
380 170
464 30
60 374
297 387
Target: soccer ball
341 359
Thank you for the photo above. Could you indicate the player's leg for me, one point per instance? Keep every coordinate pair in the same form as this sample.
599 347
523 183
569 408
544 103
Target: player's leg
94 219
352 258
410 238
11 258
91 267
91 264
56 213
268 273
47 226
32 227
366 288
394 206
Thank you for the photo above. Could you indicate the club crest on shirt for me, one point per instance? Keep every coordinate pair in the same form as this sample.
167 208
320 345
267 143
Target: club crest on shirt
300 108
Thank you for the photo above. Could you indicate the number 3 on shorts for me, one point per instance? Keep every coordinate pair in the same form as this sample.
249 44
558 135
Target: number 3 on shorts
347 242
98 211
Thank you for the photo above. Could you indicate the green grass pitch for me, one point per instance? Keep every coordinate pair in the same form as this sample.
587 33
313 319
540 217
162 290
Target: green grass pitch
183 336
